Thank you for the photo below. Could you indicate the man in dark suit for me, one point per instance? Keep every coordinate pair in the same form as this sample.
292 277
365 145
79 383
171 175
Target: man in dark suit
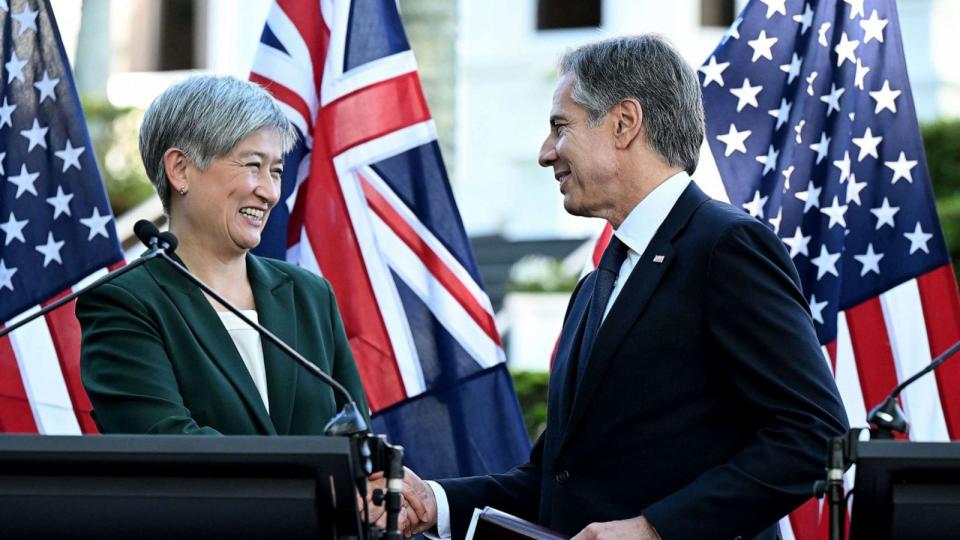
689 396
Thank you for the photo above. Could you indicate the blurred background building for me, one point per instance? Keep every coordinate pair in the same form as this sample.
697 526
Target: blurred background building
488 70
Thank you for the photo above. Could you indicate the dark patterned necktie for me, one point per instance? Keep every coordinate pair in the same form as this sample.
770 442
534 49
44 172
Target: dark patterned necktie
607 272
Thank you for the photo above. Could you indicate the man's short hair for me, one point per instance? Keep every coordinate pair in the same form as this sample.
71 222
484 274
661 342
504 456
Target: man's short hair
206 117
648 69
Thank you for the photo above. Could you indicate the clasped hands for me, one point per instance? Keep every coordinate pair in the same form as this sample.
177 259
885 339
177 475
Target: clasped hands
418 513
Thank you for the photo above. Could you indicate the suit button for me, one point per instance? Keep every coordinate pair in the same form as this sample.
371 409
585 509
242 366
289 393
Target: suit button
563 476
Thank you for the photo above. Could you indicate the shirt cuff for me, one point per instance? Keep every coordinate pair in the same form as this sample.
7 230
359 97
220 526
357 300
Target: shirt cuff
442 532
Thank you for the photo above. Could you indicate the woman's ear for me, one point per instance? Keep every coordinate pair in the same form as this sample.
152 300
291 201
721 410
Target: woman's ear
628 122
175 166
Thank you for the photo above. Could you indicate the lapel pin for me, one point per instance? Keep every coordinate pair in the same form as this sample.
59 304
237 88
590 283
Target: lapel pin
658 259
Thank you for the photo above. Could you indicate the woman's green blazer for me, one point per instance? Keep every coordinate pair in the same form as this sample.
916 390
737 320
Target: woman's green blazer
157 359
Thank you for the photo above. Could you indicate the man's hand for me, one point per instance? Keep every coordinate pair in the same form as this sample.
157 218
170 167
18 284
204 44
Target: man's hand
637 528
421 504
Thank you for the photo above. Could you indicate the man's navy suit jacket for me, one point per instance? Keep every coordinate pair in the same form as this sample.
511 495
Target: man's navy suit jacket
706 404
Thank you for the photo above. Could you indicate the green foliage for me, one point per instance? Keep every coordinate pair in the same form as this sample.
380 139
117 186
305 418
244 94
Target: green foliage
941 141
531 388
539 273
114 133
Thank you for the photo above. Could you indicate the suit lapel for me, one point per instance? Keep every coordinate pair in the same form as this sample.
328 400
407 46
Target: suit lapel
273 295
208 330
560 399
632 300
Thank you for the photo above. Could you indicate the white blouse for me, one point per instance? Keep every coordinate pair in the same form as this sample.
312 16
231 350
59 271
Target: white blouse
250 347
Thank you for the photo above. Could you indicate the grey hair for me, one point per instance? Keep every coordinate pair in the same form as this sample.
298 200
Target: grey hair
648 69
206 117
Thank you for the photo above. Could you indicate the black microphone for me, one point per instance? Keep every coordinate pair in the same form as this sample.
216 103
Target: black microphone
348 421
144 232
887 417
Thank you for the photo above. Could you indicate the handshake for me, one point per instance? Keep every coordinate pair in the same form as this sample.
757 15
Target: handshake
418 512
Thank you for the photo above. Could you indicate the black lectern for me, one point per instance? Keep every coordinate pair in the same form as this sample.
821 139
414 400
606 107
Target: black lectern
906 490
177 487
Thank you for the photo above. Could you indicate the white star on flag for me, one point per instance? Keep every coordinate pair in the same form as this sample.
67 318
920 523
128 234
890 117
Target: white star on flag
775 221
47 87
858 77
782 113
805 19
833 100
15 68
793 68
845 50
70 156
885 98
733 31
836 213
869 260
856 8
826 262
822 148
810 78
787 173
713 72
762 46
844 166
50 250
816 308
918 239
97 224
854 188
24 181
27 19
13 229
810 197
755 207
867 144
734 140
36 135
775 6
60 202
798 243
885 214
769 161
901 168
6 110
873 28
6 276
822 34
746 95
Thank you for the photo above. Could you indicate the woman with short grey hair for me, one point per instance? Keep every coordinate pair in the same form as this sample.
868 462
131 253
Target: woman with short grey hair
158 355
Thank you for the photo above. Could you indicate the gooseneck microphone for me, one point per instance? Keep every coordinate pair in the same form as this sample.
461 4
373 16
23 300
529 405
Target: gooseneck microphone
887 417
152 253
348 421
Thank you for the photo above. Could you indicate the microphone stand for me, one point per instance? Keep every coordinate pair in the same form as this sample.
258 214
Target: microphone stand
154 252
374 451
885 419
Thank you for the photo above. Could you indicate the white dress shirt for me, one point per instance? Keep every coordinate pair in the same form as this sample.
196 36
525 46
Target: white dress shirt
636 232
250 347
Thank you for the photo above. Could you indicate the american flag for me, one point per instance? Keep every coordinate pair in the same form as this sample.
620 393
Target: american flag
58 230
367 204
811 120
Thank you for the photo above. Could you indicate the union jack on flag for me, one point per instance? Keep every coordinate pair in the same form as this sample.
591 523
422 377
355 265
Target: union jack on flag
367 204
56 224
811 120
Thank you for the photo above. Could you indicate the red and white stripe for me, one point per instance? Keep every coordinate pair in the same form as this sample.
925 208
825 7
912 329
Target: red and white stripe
40 386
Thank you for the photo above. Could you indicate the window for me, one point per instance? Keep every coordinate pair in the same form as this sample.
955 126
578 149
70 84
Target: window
717 12
177 35
553 14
